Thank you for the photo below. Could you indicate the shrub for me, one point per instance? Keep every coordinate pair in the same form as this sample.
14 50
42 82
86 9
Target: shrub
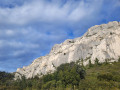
106 76
96 61
90 64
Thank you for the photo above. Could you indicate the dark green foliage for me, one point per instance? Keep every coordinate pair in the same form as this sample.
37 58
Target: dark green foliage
106 76
4 77
6 81
72 73
66 76
96 61
69 76
90 64
48 77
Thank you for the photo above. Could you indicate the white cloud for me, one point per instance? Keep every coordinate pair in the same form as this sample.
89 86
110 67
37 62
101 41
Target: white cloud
9 32
43 11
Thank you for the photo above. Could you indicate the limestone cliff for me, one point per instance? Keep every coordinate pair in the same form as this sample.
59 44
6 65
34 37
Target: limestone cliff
101 41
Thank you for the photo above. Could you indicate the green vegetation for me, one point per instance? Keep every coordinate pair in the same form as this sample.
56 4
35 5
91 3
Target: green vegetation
96 61
69 76
90 64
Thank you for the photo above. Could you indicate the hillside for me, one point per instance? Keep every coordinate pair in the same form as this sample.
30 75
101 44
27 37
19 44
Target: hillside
99 76
100 41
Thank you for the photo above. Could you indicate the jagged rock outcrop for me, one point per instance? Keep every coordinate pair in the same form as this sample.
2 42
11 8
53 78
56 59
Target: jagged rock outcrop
101 41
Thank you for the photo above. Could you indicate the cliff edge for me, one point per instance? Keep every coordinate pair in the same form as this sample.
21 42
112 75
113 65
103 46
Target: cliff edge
100 41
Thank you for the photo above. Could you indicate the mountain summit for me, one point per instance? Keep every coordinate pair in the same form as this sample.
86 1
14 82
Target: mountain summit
100 41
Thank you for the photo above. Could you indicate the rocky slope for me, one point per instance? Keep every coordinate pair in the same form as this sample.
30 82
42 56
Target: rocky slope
101 41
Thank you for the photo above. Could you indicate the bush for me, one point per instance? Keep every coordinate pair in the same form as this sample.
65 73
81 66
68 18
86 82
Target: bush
106 77
90 64
96 61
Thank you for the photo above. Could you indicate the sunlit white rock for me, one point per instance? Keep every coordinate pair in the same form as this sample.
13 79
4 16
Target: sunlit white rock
101 41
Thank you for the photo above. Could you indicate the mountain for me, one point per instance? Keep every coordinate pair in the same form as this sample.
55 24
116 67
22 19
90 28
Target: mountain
100 42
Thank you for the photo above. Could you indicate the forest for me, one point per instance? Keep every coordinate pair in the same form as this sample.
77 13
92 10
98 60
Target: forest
69 76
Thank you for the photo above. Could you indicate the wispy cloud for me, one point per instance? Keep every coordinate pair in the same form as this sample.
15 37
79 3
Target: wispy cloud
44 11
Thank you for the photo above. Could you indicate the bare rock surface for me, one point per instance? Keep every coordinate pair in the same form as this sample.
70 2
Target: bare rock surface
100 41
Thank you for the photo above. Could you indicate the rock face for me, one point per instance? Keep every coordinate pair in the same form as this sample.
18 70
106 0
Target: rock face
101 42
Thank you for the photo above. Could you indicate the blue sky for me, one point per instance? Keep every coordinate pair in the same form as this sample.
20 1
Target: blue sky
29 28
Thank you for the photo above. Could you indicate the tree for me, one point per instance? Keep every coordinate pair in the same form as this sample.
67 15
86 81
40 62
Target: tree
70 73
90 64
4 77
47 78
96 61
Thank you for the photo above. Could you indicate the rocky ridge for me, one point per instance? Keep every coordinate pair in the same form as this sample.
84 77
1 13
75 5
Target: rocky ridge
100 41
